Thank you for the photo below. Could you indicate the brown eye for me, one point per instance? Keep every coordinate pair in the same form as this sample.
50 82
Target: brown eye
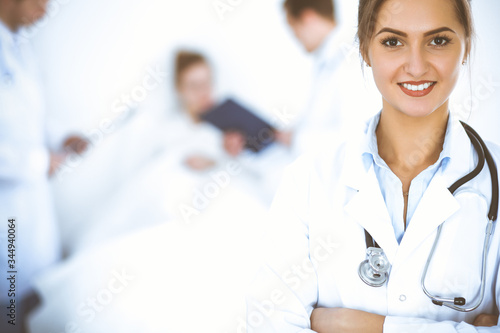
439 41
391 42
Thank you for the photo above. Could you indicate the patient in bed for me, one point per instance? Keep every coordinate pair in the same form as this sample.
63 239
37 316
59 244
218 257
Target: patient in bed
203 145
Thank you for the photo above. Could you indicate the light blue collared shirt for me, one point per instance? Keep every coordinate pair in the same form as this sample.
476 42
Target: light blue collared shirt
390 185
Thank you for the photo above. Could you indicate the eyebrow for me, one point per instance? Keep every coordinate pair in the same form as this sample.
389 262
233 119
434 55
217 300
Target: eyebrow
394 31
404 34
438 30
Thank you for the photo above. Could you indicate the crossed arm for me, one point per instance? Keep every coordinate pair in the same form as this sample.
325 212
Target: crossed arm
340 320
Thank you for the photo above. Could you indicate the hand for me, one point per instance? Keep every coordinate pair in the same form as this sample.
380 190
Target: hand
199 163
75 144
285 138
234 142
486 320
340 320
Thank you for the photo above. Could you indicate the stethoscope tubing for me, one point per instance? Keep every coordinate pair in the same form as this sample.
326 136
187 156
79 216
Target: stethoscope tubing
484 156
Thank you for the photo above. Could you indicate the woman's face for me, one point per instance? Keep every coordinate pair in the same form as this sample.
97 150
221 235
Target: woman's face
195 88
416 54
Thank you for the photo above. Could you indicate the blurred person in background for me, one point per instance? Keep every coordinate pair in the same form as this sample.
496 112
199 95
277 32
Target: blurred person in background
337 74
203 147
194 85
25 163
195 91
201 144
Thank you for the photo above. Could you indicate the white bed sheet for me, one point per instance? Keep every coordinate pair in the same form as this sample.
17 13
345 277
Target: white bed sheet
186 277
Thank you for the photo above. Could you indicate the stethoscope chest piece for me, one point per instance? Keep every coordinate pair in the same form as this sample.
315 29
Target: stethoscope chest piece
374 270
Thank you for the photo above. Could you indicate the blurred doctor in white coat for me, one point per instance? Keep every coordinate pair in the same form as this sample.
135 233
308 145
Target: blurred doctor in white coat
337 79
391 180
24 158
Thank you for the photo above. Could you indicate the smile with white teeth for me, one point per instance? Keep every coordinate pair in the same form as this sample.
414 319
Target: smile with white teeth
420 87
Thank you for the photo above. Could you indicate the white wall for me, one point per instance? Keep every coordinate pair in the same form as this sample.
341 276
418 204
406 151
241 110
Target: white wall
483 113
94 51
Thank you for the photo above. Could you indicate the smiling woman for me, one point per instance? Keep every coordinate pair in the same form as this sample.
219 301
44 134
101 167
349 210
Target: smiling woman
387 195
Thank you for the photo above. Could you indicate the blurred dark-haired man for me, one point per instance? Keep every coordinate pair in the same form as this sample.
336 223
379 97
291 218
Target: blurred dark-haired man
337 78
312 21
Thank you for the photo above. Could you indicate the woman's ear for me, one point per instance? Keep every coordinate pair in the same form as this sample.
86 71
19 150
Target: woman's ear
465 58
366 59
468 48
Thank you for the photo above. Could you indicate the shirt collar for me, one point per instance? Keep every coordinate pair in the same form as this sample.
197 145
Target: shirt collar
369 148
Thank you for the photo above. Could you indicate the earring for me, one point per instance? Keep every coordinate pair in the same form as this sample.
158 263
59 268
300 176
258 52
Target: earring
464 62
368 65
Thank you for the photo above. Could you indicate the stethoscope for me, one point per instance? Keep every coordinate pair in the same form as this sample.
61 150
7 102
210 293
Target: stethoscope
374 271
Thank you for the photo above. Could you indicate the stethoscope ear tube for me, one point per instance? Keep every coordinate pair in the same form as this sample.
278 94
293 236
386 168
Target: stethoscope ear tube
479 148
493 213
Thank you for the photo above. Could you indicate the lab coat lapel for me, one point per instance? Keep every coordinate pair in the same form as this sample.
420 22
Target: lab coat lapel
438 204
368 208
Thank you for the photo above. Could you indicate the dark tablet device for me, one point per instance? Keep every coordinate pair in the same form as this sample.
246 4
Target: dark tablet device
231 116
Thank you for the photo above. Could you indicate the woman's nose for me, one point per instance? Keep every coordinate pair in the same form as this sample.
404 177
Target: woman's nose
417 64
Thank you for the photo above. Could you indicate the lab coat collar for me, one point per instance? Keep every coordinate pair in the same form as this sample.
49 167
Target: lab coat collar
460 148
368 208
355 162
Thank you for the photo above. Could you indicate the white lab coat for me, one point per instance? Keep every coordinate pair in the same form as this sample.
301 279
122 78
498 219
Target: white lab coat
317 238
338 81
24 158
